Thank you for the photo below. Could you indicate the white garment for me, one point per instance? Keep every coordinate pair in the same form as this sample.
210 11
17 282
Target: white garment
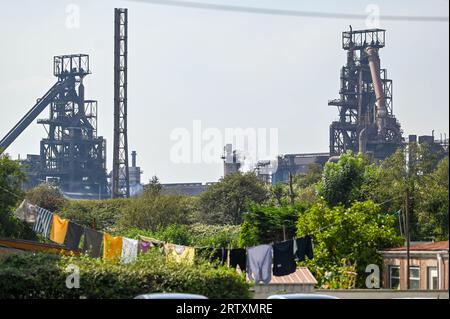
27 212
129 250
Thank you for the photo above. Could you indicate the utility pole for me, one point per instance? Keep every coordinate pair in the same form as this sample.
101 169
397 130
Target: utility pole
408 237
410 158
291 189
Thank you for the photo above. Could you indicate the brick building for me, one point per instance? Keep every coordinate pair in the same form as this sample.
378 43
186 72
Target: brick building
428 266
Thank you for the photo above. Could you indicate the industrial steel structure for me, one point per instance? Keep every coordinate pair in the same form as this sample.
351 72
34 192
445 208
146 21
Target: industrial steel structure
231 160
366 120
120 173
72 156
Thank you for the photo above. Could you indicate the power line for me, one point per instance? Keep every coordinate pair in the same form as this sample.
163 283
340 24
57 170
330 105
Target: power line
292 13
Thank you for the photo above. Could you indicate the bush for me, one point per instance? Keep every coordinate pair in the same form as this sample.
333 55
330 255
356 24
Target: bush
105 213
43 276
151 211
47 196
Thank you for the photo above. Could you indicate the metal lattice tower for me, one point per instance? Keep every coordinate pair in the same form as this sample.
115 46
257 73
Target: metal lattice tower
120 178
72 156
366 121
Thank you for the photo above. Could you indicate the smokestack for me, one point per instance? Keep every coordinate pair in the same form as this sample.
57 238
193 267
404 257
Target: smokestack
133 159
381 112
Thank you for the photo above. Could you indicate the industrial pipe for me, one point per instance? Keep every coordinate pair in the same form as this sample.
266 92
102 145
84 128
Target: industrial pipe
362 141
380 103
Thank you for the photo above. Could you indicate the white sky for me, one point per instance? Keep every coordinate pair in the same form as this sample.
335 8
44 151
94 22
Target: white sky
226 69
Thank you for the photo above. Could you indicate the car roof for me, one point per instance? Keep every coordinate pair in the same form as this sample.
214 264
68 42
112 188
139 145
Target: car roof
170 296
302 296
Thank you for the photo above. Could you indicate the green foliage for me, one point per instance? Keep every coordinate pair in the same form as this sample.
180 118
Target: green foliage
265 224
226 201
103 214
342 181
303 187
44 276
432 203
312 176
154 186
333 276
427 183
47 196
347 236
11 179
198 235
152 211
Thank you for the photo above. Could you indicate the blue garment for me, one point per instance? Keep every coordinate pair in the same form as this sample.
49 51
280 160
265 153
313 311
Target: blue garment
259 263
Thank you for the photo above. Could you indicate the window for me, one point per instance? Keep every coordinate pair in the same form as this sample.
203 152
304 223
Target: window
394 277
433 280
414 277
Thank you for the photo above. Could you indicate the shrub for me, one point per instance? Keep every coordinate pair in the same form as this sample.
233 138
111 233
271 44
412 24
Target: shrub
151 211
105 213
47 196
43 276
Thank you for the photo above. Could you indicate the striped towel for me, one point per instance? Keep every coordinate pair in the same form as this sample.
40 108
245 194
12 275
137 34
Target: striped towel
43 222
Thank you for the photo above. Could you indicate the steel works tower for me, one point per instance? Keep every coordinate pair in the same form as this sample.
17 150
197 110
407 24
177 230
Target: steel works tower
366 120
72 156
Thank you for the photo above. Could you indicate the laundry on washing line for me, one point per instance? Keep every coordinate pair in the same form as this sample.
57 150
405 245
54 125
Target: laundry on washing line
73 235
43 222
27 212
179 253
260 262
283 258
92 243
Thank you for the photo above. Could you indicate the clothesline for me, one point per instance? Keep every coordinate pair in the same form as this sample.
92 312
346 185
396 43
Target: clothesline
255 261
45 217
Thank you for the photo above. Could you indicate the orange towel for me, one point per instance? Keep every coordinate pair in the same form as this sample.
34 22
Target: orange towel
112 247
59 229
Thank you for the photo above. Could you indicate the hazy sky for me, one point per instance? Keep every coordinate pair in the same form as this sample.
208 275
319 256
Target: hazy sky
225 69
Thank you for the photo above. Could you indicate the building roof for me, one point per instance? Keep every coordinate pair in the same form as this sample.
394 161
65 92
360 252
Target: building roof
301 276
427 246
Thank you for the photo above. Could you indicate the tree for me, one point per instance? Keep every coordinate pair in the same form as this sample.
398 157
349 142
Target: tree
151 211
11 180
278 193
342 181
311 177
350 236
420 174
154 186
300 189
265 223
433 203
226 201
47 196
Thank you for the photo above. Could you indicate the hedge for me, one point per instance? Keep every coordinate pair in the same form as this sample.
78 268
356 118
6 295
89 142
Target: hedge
38 275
